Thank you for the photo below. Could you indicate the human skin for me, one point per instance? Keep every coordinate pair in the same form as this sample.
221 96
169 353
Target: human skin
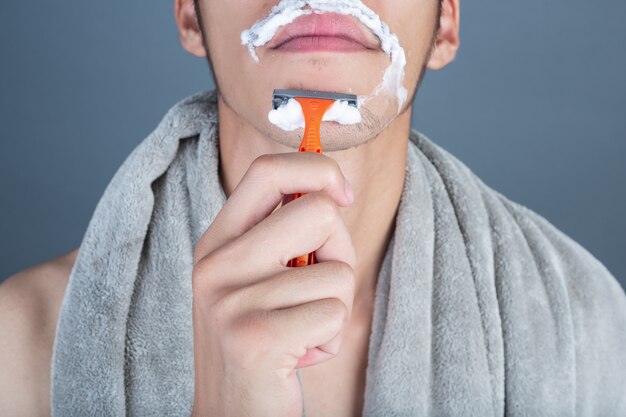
373 160
371 157
261 320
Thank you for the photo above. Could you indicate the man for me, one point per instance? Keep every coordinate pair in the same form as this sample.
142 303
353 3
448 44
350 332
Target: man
363 174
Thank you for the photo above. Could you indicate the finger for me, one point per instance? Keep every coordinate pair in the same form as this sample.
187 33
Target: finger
310 223
295 286
307 329
262 188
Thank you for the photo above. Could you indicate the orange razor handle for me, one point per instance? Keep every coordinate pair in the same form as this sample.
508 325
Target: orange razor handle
313 109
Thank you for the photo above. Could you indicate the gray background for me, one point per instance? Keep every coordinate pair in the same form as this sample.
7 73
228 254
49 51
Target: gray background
534 104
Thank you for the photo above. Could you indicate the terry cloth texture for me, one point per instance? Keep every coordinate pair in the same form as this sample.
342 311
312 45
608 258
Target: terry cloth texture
482 308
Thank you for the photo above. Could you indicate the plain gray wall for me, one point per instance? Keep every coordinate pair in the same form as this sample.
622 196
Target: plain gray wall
534 104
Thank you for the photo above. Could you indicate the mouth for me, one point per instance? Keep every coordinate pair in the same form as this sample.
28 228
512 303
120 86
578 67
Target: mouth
320 43
324 32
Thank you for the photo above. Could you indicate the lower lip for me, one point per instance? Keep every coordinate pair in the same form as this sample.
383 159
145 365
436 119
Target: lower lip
321 43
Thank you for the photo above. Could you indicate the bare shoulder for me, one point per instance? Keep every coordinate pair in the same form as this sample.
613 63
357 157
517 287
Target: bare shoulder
30 301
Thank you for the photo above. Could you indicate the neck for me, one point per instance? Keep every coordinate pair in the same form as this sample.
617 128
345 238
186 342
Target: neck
375 170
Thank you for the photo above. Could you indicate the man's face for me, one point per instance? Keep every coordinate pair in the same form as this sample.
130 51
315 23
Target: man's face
246 86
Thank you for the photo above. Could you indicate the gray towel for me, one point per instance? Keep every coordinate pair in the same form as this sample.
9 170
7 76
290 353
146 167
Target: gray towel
482 308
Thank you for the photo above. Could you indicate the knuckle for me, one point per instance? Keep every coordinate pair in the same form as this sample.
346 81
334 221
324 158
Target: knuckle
333 312
324 208
248 330
233 300
254 325
343 274
266 165
228 316
208 277
203 270
334 176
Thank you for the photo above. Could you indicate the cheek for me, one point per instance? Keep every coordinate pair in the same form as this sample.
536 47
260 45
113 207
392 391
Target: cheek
224 47
224 20
414 22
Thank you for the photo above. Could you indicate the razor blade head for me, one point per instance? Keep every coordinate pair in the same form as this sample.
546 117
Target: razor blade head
281 97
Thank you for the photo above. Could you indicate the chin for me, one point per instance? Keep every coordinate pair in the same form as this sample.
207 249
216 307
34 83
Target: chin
339 73
376 116
334 136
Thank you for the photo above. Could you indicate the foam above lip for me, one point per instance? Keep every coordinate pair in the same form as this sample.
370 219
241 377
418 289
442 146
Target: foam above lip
287 11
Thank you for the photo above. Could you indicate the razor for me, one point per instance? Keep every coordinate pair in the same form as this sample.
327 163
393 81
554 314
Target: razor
314 104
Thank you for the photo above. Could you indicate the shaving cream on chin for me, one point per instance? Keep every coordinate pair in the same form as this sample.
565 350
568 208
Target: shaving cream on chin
290 117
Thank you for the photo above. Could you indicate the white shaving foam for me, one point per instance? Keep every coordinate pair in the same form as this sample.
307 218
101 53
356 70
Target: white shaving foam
290 116
287 11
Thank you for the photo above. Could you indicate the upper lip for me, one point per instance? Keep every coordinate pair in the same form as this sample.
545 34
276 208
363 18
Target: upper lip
324 24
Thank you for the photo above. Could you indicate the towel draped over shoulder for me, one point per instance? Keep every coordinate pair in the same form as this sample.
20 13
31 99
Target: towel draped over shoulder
482 307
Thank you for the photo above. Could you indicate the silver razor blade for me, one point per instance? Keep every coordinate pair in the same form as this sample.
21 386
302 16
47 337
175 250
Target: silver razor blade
281 97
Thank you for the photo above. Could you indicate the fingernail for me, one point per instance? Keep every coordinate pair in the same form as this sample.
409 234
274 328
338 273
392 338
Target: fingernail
349 192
